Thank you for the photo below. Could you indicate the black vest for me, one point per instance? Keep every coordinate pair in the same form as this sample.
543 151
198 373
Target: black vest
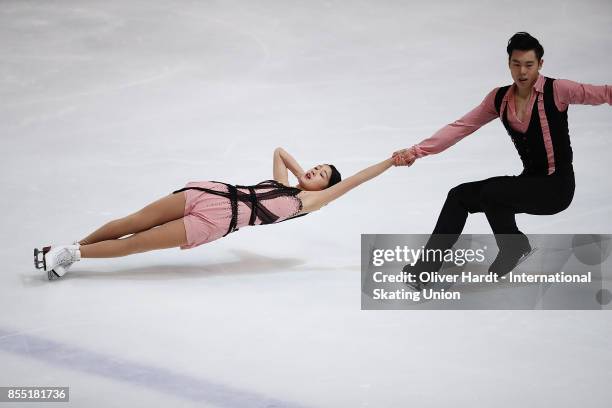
530 145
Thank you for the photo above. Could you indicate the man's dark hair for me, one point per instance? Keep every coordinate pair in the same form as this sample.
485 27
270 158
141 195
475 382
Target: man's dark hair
525 42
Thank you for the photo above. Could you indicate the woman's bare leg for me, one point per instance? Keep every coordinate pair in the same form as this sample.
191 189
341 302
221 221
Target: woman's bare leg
165 209
169 235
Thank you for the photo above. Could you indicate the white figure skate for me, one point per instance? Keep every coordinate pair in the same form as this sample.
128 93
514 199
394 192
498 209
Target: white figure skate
57 259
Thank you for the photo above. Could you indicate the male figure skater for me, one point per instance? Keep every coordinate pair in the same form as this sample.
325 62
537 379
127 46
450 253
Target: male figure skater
534 112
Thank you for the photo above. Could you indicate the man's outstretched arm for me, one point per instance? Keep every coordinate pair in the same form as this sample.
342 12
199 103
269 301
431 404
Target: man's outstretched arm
569 93
451 133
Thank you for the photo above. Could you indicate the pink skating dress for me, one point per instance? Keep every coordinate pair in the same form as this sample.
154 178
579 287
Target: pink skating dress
209 215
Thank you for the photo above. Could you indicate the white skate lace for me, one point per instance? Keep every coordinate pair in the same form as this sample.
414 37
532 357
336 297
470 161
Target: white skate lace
69 264
66 257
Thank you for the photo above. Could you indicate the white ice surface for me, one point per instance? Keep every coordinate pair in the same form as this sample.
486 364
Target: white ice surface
108 105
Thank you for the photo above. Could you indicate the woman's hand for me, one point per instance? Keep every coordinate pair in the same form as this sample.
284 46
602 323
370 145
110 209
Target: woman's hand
404 157
284 162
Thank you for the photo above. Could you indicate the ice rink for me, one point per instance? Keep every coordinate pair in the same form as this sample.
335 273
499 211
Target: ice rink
106 106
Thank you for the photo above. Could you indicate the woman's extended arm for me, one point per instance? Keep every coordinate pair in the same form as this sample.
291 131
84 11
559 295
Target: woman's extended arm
314 200
282 162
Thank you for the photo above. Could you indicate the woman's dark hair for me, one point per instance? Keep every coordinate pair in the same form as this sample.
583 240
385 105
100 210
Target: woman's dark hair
335 176
525 42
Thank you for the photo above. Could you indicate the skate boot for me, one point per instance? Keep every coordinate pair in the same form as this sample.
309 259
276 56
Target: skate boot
414 282
62 269
55 260
421 270
514 251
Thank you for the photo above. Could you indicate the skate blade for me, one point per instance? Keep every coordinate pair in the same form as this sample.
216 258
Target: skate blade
39 257
415 287
524 257
51 275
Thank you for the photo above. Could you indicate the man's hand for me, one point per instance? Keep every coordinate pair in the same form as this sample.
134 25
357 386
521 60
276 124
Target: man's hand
404 157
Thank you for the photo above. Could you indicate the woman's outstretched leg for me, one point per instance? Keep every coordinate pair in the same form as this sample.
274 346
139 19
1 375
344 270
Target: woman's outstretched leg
166 209
171 234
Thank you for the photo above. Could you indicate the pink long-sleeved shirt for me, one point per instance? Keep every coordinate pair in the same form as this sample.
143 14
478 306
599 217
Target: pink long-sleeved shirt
566 93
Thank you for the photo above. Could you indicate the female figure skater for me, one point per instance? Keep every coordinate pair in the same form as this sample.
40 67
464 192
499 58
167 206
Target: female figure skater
205 211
